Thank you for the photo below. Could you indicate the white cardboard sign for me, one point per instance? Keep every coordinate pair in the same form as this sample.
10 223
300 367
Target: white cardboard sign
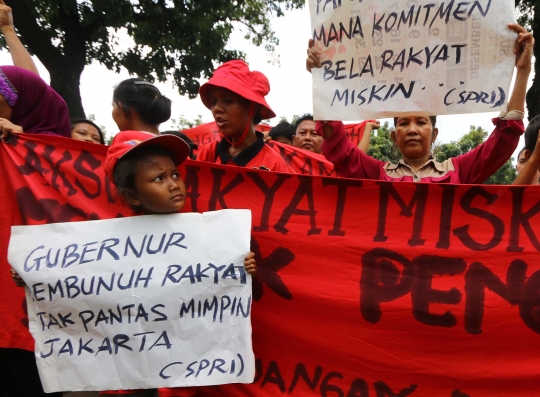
140 302
384 58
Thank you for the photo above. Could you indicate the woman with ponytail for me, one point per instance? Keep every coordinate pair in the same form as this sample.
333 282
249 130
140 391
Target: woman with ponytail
235 95
139 106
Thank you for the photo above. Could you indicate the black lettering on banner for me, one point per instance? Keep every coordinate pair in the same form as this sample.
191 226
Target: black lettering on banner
521 219
218 194
288 157
29 205
359 388
447 207
300 371
56 172
78 165
381 281
458 393
32 162
342 185
423 295
274 376
307 167
498 225
323 171
305 189
478 278
325 388
192 185
419 200
529 306
269 194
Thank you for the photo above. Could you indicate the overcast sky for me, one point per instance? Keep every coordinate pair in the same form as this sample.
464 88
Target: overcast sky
290 83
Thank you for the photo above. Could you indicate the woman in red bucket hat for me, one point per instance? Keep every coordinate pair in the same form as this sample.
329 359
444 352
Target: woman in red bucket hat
235 95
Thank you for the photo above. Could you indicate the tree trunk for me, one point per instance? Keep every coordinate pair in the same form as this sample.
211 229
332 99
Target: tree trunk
66 82
66 66
533 95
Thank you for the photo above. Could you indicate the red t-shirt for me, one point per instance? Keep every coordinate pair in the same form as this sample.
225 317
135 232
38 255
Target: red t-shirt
258 155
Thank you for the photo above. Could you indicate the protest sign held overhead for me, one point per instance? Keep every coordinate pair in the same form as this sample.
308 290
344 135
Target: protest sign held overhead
139 302
387 58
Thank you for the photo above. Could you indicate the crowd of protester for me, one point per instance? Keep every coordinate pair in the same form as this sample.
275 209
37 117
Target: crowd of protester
235 96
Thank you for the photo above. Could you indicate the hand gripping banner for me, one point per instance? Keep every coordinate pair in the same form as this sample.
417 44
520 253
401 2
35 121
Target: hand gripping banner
364 288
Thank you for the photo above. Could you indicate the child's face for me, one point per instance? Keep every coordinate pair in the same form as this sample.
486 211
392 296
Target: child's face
160 189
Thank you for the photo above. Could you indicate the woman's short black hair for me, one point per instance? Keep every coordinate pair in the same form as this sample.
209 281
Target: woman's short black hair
531 133
125 170
74 122
433 120
145 99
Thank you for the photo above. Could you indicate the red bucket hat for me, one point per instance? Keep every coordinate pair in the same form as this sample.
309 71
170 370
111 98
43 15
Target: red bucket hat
127 141
236 76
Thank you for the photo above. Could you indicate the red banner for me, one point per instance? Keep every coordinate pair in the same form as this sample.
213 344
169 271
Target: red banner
301 161
209 132
355 131
364 288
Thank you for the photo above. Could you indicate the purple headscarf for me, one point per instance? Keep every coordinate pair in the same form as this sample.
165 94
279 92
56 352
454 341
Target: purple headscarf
35 106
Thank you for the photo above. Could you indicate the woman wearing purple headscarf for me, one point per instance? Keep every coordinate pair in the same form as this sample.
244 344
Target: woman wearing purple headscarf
28 104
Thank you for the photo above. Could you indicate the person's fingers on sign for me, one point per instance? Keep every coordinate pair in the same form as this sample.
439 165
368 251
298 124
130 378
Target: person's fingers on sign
6 17
19 282
312 60
7 127
250 264
523 47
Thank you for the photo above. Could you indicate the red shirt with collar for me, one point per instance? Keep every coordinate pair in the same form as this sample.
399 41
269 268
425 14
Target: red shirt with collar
258 156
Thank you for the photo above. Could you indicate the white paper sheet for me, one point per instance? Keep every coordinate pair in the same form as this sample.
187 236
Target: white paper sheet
384 58
139 302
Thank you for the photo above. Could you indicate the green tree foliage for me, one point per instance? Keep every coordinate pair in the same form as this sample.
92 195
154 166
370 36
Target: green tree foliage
382 148
294 119
381 145
179 38
476 136
181 123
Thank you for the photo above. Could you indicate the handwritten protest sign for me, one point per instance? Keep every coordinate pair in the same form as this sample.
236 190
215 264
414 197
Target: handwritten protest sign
384 58
139 302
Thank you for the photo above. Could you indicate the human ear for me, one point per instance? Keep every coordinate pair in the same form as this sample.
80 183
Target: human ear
131 197
393 136
527 154
434 134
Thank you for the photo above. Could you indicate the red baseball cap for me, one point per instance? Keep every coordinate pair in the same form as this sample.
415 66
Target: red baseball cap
236 76
126 141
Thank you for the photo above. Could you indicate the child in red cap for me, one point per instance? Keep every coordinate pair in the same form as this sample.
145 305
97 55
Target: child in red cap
144 169
235 95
